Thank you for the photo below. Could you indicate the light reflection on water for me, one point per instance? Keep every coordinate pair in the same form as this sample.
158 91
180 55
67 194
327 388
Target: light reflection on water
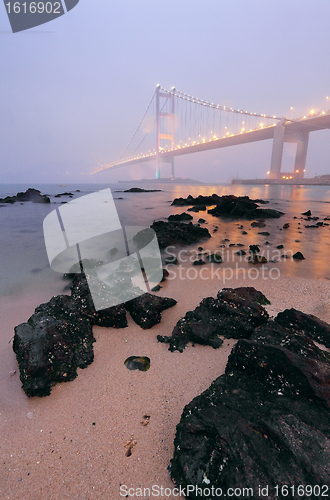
22 248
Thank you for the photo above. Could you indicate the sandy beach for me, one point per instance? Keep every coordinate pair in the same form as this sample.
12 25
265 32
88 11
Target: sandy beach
71 444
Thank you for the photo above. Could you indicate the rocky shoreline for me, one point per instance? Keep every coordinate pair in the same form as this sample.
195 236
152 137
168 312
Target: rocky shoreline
30 194
58 338
266 420
271 406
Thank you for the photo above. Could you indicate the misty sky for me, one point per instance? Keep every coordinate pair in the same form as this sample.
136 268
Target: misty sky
78 86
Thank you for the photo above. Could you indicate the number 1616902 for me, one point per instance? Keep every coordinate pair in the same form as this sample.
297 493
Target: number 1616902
33 7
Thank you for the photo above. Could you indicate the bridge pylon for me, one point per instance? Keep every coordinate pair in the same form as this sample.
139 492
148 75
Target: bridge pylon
280 137
277 151
162 119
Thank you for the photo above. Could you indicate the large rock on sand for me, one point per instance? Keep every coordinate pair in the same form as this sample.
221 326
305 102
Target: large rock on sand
147 308
265 422
54 342
234 313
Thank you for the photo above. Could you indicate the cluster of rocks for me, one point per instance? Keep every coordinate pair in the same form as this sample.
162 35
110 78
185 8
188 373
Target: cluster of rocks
30 194
266 420
308 217
58 338
229 206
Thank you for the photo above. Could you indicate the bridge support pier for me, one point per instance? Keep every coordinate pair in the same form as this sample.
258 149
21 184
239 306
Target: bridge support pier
301 155
300 139
172 168
277 151
160 161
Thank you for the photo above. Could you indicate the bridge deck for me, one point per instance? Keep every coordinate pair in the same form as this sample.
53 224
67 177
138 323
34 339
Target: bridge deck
292 128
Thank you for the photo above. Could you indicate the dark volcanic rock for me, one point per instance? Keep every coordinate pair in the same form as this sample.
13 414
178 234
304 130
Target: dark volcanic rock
30 194
265 422
63 194
141 190
258 224
308 213
298 256
249 294
114 316
297 342
233 314
147 308
50 347
307 324
179 217
214 199
198 201
214 258
165 275
254 249
176 233
199 262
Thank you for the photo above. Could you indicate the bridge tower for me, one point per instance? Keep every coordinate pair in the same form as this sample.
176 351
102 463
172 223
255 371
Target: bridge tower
281 136
162 119
277 151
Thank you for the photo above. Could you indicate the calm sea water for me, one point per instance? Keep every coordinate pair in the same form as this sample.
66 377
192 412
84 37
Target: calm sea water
23 258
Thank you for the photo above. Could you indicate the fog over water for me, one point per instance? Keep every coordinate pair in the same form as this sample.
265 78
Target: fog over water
74 90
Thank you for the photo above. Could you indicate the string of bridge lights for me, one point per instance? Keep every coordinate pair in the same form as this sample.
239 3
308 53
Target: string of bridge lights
196 100
201 102
186 97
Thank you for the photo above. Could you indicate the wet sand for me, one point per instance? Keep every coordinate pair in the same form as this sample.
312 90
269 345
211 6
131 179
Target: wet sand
71 444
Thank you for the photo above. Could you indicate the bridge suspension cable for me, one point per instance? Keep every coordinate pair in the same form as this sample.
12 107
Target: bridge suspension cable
174 120
137 129
201 102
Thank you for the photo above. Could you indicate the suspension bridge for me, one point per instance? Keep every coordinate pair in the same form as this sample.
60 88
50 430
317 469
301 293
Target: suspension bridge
176 124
